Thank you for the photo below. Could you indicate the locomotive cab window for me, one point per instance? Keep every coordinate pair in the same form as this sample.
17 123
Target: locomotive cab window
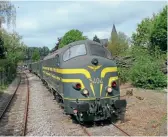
97 50
74 51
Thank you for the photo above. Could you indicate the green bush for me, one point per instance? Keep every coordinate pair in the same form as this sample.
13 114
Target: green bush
145 71
8 68
147 75
123 74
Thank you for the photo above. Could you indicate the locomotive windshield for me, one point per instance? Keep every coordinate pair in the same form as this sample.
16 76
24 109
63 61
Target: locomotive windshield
98 50
74 51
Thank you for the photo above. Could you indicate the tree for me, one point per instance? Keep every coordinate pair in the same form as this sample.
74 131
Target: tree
158 35
2 49
95 38
15 51
142 35
12 50
36 55
56 45
45 51
119 45
7 13
152 32
13 46
118 42
71 36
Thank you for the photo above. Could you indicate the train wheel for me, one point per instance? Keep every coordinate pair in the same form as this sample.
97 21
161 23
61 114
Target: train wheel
57 98
113 118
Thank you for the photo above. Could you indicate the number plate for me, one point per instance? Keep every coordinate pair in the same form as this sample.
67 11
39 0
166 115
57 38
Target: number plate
96 81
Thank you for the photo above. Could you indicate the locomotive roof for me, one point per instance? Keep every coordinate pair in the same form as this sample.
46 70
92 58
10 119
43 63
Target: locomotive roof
61 50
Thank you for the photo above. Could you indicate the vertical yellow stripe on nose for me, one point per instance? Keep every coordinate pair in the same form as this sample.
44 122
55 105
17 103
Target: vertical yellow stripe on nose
101 86
91 86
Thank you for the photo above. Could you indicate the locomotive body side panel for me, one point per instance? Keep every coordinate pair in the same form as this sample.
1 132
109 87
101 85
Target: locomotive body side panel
51 75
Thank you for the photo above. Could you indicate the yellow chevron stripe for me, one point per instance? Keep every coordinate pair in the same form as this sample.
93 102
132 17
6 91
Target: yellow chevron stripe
69 71
73 81
85 72
108 69
67 80
112 79
109 84
73 71
94 68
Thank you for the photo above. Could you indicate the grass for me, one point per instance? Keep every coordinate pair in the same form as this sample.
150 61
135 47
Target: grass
2 88
164 118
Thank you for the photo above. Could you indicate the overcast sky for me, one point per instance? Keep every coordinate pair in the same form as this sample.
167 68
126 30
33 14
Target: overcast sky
40 23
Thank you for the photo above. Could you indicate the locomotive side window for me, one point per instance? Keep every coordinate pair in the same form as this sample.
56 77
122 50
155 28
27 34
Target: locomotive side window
97 50
57 60
66 55
74 51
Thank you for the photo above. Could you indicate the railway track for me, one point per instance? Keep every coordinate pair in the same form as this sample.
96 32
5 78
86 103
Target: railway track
2 113
26 108
103 129
16 107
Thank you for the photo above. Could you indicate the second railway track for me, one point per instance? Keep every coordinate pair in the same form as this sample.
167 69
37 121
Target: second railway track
14 111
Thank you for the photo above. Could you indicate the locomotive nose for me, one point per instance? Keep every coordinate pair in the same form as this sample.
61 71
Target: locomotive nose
102 71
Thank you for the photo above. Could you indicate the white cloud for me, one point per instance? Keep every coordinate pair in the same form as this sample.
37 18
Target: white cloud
27 24
42 22
100 33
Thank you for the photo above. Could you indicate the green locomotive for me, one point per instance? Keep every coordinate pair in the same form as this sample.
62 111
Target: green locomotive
84 80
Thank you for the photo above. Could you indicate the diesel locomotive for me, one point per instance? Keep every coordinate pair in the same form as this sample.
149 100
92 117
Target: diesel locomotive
84 79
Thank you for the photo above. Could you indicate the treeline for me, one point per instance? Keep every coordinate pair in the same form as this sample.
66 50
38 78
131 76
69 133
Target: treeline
36 53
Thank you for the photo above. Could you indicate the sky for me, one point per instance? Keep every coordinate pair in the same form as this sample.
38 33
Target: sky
40 23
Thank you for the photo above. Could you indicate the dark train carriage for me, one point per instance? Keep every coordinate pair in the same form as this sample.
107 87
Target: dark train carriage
35 67
85 79
49 65
30 67
39 69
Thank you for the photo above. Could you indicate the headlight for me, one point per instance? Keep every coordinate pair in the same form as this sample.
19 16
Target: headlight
85 92
109 89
